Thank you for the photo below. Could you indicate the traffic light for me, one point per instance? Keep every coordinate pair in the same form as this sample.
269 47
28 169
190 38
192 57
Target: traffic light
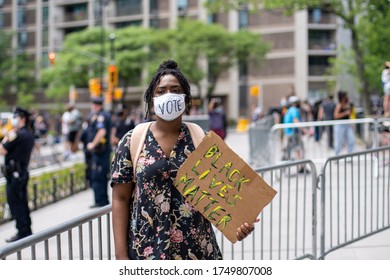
52 57
95 87
112 76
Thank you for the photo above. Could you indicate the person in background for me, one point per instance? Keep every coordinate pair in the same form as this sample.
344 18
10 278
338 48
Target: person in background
315 113
17 147
385 77
151 219
74 122
343 132
122 124
218 122
294 138
326 113
98 139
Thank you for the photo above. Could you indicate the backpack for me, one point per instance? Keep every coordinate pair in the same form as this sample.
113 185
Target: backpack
139 134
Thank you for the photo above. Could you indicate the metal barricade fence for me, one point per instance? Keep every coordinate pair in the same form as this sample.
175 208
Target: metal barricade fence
258 141
287 229
355 198
354 203
366 136
86 237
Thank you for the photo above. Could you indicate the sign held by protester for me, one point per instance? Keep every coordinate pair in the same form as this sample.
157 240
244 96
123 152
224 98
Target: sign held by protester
222 186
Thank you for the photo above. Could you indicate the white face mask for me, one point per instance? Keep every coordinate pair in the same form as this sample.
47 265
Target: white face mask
14 122
169 106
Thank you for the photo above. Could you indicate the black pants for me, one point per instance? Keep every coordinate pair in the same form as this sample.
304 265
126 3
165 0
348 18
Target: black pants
18 201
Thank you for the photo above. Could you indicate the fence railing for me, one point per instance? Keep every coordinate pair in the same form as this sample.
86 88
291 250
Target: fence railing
311 216
45 189
268 150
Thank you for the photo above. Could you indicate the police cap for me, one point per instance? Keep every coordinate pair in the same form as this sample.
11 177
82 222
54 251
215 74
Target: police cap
97 100
21 112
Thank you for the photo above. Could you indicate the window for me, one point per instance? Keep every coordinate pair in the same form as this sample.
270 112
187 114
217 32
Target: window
22 39
128 7
45 15
153 6
182 5
21 18
243 18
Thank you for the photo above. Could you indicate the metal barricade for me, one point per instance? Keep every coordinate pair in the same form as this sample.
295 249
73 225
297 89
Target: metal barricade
288 225
91 231
355 198
354 203
259 146
318 150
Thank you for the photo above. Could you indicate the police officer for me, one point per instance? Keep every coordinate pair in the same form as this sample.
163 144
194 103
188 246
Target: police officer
17 146
99 145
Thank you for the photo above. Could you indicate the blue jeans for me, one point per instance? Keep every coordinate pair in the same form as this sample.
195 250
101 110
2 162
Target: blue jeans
343 134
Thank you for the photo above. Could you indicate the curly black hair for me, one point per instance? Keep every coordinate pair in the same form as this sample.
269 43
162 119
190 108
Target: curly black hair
167 67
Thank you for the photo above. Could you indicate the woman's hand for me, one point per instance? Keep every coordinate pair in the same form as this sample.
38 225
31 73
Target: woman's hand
245 229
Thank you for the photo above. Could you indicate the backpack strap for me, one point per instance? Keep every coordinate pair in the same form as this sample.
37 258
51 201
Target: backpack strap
139 134
196 132
137 143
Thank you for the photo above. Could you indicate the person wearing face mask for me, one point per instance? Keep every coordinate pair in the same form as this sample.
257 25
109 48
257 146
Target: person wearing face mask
218 122
151 219
17 146
343 133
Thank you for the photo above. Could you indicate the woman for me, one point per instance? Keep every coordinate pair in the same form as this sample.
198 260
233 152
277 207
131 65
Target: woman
151 219
343 133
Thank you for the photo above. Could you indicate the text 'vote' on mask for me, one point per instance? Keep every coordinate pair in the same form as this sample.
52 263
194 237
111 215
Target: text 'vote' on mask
169 106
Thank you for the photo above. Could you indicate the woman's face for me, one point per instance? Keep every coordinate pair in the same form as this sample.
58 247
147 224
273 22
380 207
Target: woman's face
168 83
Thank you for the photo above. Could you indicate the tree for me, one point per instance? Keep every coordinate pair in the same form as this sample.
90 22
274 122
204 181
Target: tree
354 15
80 59
17 74
216 45
137 49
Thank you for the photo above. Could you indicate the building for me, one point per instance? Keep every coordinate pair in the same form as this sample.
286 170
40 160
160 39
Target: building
297 63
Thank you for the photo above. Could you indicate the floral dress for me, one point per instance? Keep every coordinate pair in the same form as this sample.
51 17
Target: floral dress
162 225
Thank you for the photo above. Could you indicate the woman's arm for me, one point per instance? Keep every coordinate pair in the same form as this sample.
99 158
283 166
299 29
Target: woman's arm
121 195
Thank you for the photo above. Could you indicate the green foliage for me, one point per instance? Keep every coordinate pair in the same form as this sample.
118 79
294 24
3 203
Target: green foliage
366 19
137 48
17 73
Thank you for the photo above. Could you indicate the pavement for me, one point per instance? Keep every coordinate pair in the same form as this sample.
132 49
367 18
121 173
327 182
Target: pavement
375 247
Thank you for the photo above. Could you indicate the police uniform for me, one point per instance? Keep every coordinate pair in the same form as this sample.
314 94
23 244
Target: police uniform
100 154
18 144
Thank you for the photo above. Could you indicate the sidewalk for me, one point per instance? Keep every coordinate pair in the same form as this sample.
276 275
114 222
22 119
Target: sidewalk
376 247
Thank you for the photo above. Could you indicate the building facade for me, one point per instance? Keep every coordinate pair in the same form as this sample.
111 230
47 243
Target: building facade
297 62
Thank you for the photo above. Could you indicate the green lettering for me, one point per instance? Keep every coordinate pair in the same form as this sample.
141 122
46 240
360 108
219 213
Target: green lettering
223 221
191 192
196 165
183 179
232 203
215 160
240 182
224 189
211 152
212 201
227 167
204 194
214 184
215 212
232 173
204 174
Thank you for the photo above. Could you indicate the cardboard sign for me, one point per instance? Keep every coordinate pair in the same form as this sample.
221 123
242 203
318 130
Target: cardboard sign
222 186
